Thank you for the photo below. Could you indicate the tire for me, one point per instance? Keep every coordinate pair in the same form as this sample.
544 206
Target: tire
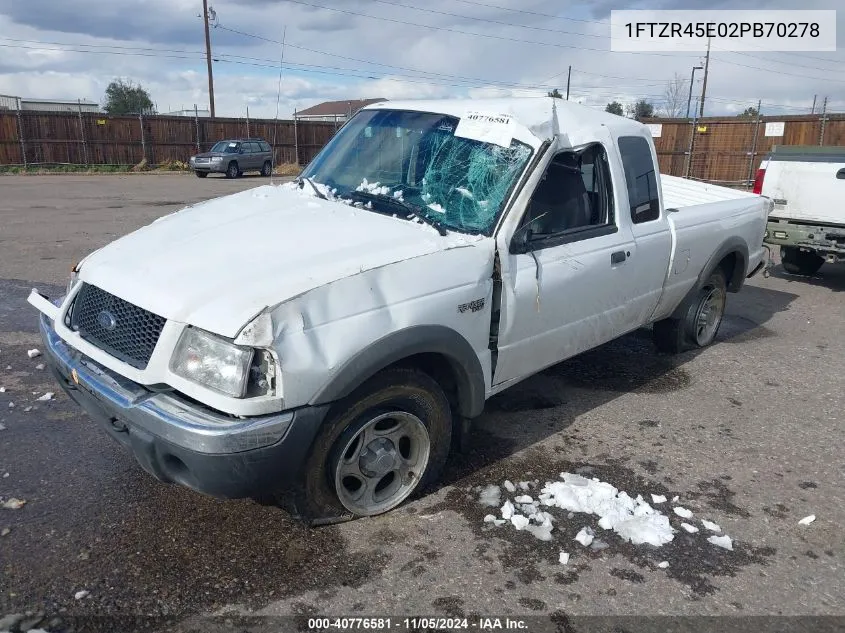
201 174
798 262
700 322
360 441
233 171
266 168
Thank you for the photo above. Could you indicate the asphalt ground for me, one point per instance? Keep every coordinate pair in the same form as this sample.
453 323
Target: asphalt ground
747 433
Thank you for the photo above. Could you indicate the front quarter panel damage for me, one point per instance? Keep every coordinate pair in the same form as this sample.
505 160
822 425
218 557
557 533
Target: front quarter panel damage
322 332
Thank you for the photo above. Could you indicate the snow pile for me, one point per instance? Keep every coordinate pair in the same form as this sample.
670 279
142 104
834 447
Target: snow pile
374 188
633 519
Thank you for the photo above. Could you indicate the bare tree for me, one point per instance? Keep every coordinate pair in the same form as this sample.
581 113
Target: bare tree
674 97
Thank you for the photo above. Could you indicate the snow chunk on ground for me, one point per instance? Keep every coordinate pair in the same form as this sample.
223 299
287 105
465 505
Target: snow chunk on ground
39 366
689 528
13 504
585 536
79 595
563 558
47 396
675 499
663 565
519 522
434 206
2 389
524 485
807 520
713 527
683 512
721 541
633 519
33 353
509 486
490 496
507 510
658 498
524 499
542 532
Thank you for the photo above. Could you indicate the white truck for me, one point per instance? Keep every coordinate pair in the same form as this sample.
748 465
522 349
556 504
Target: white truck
807 186
325 342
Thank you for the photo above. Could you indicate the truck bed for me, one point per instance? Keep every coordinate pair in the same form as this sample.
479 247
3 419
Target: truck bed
682 192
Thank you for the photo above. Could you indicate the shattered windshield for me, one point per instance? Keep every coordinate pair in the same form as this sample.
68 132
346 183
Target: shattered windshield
416 159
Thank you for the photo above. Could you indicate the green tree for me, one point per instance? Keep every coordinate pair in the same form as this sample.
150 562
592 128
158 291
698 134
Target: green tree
614 107
640 110
556 94
749 113
124 97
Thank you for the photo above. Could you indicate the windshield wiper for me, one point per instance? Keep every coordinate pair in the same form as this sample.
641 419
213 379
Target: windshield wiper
319 193
411 211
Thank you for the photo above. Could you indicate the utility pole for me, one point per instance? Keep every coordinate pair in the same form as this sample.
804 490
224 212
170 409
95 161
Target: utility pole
704 85
813 109
568 77
208 58
691 82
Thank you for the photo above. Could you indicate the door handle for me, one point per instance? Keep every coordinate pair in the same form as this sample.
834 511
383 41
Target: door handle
617 258
841 174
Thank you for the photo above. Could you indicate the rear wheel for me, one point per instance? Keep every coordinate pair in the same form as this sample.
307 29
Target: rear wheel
798 262
201 174
700 322
266 169
384 442
233 171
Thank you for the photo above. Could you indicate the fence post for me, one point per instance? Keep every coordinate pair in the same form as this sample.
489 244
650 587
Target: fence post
143 139
691 145
824 119
82 133
754 145
247 122
197 126
20 133
296 136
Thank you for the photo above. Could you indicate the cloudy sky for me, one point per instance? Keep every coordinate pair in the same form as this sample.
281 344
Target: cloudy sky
341 49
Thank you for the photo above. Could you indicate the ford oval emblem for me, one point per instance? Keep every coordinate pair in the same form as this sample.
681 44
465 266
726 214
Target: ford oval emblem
107 320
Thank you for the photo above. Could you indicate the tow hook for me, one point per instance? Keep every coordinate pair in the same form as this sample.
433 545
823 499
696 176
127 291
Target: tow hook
767 269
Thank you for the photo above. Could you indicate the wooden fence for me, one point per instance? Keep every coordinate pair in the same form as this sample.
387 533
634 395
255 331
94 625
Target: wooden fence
717 149
39 138
728 150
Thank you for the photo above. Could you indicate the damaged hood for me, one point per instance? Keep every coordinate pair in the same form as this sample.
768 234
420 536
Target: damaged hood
216 265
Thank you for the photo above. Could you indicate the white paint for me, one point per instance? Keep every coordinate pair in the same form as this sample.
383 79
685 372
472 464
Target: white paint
317 281
774 128
810 190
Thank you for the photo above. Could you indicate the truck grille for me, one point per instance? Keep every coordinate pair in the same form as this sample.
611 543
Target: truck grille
125 331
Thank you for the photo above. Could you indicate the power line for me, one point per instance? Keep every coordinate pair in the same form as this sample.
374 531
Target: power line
486 35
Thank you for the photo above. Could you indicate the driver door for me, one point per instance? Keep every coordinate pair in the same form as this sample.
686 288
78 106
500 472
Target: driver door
563 275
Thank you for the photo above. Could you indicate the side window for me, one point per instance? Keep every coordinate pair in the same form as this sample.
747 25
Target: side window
574 195
641 178
265 147
250 148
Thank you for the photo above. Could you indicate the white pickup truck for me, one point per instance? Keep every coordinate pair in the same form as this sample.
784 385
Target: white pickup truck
807 186
325 342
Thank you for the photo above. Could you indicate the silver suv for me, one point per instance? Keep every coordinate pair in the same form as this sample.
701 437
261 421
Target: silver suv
234 157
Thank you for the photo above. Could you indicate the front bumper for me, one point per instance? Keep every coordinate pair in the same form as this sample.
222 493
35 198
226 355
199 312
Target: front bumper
178 441
219 167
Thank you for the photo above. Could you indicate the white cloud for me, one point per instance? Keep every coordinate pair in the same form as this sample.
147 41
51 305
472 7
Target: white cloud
406 61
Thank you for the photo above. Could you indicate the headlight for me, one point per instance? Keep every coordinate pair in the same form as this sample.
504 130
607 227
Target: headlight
212 361
216 159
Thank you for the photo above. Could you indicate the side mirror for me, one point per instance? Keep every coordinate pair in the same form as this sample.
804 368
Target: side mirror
521 240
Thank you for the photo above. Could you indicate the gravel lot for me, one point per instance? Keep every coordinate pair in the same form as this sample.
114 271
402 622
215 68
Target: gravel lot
748 433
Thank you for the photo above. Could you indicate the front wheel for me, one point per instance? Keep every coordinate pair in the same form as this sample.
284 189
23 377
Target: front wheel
381 444
233 171
700 322
266 169
798 262
201 174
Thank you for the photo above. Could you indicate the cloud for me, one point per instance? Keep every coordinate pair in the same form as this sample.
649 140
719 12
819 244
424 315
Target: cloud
353 56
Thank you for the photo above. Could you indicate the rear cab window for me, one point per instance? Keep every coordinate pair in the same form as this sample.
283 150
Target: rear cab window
640 178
